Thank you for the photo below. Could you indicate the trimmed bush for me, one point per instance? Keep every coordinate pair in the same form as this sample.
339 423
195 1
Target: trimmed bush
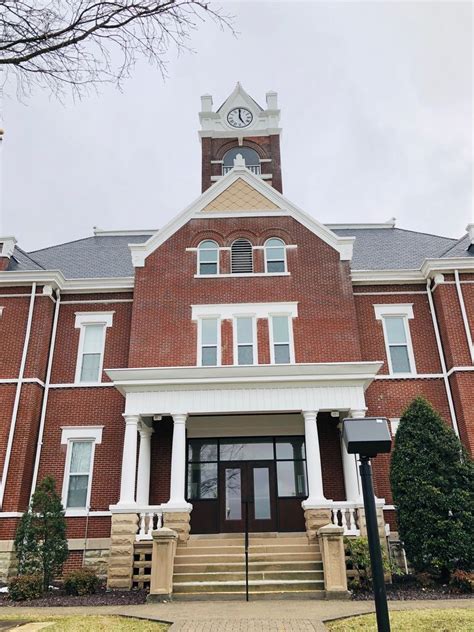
432 480
23 587
81 582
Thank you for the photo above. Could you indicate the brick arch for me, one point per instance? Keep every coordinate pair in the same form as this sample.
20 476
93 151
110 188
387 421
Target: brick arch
207 234
281 233
235 145
241 234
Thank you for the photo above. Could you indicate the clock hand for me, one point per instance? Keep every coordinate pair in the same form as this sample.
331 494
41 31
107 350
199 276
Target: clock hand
240 117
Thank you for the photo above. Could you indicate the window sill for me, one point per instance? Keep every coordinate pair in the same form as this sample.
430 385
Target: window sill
82 513
242 274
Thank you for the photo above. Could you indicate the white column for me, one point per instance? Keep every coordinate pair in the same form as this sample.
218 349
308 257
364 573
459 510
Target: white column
350 468
313 462
144 464
129 461
178 464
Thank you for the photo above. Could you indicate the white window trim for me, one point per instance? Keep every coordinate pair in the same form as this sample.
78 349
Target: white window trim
284 256
82 320
69 435
198 250
404 311
1 310
219 339
254 339
290 332
226 311
394 423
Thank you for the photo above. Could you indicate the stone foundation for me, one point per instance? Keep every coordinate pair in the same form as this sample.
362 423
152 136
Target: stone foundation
8 562
314 520
178 522
122 541
331 542
380 525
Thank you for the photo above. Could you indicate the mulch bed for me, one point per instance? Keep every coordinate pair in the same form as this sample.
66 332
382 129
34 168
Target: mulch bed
411 591
101 598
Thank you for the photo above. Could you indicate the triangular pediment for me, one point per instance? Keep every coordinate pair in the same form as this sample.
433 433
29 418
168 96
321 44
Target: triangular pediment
240 196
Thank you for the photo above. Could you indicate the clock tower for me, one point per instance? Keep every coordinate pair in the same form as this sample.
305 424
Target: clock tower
240 126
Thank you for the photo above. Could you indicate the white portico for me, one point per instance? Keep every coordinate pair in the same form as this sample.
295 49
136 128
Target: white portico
182 393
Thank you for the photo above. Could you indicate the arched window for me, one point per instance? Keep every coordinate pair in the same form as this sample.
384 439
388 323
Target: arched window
275 255
242 256
252 159
208 257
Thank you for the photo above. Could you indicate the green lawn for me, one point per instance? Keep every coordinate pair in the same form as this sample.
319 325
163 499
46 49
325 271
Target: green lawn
93 623
452 620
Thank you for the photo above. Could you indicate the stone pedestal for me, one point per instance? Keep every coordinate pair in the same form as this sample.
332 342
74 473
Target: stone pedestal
162 563
380 525
178 521
122 542
331 542
315 519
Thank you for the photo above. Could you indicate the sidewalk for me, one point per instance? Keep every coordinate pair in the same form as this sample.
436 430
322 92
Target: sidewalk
237 616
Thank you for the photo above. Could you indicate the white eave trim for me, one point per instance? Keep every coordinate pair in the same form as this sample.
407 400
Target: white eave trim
56 279
344 245
157 378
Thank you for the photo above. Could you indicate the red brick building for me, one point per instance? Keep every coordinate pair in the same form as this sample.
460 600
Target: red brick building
167 376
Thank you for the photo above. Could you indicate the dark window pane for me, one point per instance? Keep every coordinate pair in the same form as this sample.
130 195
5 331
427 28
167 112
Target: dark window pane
282 354
245 354
261 493
208 268
275 266
233 494
209 356
249 155
202 480
238 450
291 476
202 450
77 493
400 360
291 448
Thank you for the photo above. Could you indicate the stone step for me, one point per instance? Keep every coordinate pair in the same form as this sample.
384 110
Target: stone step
253 566
255 586
231 539
253 549
223 576
260 596
256 557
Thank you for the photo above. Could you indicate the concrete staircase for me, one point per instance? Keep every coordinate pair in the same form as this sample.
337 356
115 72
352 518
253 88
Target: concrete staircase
280 564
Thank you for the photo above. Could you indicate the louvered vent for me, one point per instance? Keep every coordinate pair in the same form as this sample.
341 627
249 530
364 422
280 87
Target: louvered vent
242 259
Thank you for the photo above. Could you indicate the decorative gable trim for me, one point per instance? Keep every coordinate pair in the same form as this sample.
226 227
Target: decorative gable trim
343 245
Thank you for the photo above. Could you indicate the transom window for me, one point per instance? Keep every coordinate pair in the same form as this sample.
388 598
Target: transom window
241 257
244 333
275 255
208 257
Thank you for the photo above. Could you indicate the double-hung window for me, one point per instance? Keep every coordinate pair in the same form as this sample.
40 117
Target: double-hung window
90 356
77 481
281 348
244 337
275 255
400 357
208 257
210 345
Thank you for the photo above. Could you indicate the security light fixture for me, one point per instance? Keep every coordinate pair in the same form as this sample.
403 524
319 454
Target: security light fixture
367 436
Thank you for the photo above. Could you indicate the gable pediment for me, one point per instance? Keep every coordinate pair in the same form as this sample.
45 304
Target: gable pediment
240 196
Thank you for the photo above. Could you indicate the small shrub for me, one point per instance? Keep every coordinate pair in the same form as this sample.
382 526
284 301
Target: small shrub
461 582
426 580
24 587
357 550
81 582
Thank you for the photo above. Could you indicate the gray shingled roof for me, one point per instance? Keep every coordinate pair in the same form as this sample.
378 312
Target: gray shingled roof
109 256
393 248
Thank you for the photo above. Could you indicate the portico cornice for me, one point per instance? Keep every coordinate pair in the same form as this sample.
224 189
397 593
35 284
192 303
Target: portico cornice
128 380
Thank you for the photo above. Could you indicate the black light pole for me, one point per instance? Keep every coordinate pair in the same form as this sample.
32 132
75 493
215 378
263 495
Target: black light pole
380 596
367 437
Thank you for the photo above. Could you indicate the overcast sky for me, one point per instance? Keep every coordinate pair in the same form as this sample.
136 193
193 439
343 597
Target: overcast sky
376 110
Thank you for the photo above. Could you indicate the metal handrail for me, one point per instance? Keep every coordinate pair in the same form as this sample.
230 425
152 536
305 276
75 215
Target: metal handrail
246 502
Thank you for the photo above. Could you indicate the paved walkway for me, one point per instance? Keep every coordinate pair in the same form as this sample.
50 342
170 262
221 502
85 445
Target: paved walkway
237 616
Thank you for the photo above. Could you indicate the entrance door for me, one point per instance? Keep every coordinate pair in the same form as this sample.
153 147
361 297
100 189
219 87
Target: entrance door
247 486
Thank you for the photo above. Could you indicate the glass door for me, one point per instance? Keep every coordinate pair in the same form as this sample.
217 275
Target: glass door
262 497
232 493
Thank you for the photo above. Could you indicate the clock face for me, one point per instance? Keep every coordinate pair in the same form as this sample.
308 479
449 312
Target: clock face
239 117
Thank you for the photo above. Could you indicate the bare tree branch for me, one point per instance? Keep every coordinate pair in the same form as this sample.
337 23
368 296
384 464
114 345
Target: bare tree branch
82 43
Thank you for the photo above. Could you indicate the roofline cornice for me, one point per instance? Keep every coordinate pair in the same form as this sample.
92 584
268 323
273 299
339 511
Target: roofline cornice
428 269
56 279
